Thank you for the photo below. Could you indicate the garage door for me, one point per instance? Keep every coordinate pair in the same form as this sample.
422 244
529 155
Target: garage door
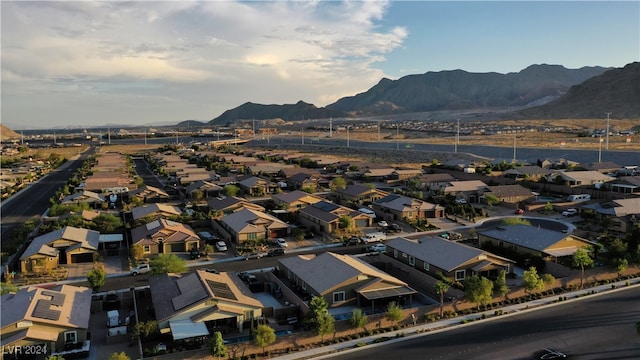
361 223
177 248
81 258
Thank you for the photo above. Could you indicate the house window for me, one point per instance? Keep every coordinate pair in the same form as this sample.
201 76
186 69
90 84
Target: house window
404 255
252 236
426 266
338 297
460 274
304 285
412 261
147 248
395 253
70 337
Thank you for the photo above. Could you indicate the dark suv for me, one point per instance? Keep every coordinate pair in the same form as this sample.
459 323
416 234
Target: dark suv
276 252
354 240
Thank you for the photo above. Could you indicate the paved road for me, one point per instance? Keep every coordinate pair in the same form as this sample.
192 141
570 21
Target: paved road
601 327
33 201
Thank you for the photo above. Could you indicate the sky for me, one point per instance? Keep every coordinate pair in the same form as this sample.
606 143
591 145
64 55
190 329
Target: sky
80 64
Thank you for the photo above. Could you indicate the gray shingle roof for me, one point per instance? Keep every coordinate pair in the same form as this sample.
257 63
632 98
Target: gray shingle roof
527 236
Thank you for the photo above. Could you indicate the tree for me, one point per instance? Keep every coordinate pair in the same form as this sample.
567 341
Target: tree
548 280
478 289
6 288
230 190
265 335
345 222
581 259
119 356
107 223
621 266
358 319
491 199
500 284
145 329
318 318
218 348
96 277
394 312
548 207
338 183
441 288
137 251
532 280
168 263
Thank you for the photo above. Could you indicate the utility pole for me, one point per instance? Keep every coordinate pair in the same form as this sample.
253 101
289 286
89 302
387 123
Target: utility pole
608 130
515 135
600 150
397 136
378 130
302 131
347 135
330 127
457 138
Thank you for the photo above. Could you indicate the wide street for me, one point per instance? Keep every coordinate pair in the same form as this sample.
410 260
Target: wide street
600 327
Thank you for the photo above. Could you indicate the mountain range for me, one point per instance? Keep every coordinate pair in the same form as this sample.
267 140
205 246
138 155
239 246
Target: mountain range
539 91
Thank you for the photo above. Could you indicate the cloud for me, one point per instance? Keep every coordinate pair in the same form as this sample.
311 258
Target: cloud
226 52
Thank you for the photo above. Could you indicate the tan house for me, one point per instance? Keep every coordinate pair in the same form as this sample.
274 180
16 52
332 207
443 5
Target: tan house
187 306
250 225
256 186
344 280
470 190
94 199
55 320
359 194
230 204
295 200
621 213
511 194
325 216
399 207
526 239
149 194
433 255
581 178
155 210
206 188
69 245
164 236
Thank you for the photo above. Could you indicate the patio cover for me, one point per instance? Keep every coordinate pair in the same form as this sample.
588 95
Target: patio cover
385 293
184 329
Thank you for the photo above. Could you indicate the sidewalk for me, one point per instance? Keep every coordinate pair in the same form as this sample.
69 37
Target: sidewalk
328 351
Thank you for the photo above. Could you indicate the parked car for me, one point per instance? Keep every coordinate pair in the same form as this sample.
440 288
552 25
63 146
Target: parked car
548 354
373 237
253 255
570 212
140 269
208 237
354 240
221 246
383 224
281 242
378 248
395 227
519 211
276 252
194 254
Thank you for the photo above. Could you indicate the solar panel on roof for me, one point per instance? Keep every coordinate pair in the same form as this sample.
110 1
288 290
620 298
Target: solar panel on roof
43 310
221 290
191 291
56 297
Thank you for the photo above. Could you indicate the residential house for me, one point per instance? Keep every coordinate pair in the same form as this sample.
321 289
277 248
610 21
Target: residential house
164 236
528 172
155 210
265 168
194 305
325 216
604 167
149 194
68 245
94 199
295 200
379 174
55 320
582 178
433 255
230 204
435 181
620 213
107 181
624 184
256 186
469 190
399 207
359 194
344 280
511 194
251 225
206 188
526 239
404 174
304 180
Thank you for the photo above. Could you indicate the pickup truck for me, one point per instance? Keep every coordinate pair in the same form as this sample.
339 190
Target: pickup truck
140 269
373 237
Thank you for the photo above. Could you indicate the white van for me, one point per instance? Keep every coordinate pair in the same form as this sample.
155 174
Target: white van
579 198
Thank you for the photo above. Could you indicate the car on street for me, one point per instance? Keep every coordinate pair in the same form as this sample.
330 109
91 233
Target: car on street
395 227
354 240
519 211
253 255
383 224
570 212
377 248
194 254
548 354
221 246
140 269
276 252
